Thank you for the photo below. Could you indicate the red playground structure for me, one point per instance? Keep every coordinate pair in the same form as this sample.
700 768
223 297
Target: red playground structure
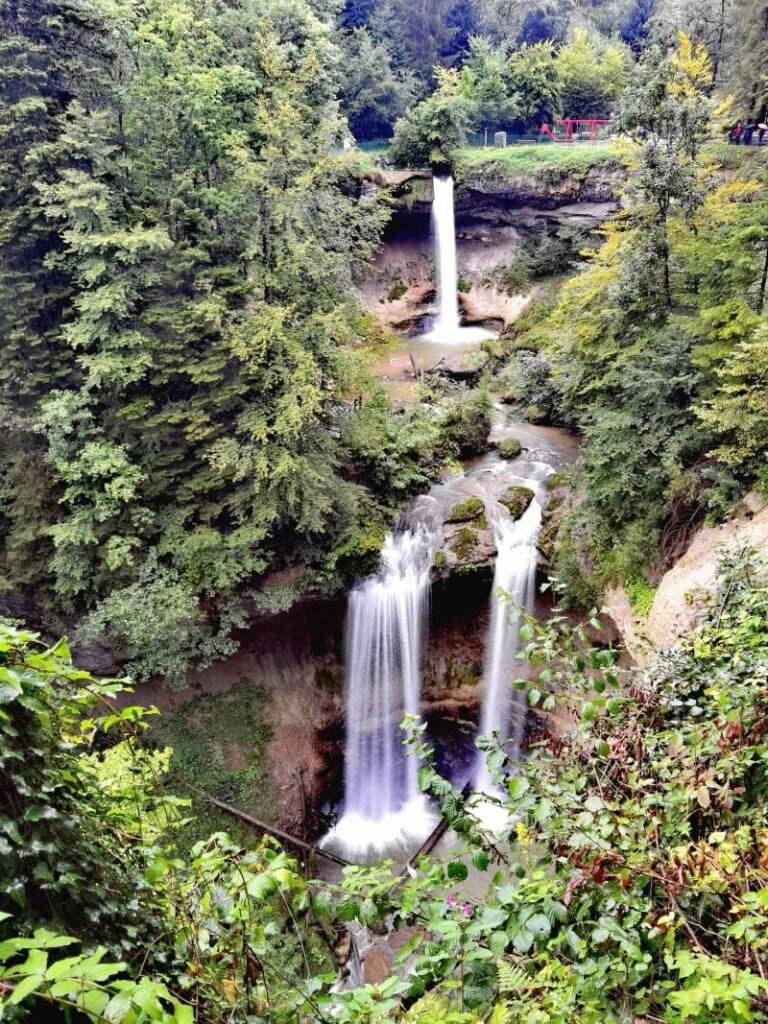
569 129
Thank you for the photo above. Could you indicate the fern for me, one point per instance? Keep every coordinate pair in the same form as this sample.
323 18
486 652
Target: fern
511 977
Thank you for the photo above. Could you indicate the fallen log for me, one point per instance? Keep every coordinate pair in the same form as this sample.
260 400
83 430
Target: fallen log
311 848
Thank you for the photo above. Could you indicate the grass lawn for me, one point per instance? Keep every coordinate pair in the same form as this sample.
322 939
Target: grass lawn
535 157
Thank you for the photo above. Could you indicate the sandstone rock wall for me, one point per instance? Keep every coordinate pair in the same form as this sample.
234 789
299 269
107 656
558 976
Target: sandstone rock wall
685 590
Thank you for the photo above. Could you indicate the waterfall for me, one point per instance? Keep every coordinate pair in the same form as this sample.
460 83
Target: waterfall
386 625
504 708
446 327
447 324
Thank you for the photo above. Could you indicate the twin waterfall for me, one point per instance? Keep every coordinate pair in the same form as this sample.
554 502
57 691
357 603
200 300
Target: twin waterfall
386 624
384 812
504 708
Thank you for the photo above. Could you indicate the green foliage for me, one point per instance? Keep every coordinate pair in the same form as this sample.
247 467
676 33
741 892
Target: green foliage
219 743
396 455
177 247
641 596
432 130
484 77
373 93
466 422
627 876
84 983
80 804
645 351
397 291
590 76
464 544
532 77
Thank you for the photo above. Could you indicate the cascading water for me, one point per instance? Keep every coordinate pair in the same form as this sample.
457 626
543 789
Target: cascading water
504 708
447 328
447 324
386 624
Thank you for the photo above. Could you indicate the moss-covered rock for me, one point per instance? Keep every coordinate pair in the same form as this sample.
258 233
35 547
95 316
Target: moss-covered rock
465 366
536 415
510 448
439 560
517 500
464 544
465 511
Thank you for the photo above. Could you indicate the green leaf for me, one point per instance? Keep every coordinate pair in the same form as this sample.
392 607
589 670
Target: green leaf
457 871
25 988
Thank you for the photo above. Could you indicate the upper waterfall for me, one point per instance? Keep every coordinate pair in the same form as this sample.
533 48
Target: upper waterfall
446 327
447 323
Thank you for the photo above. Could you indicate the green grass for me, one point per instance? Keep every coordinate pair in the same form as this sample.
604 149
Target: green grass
745 159
535 158
219 744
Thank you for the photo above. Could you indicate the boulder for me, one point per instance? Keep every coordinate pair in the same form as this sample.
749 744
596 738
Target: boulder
517 500
377 966
465 511
510 448
464 366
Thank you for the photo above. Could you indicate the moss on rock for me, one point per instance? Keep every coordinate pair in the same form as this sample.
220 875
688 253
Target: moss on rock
517 500
439 560
465 511
510 448
464 544
536 415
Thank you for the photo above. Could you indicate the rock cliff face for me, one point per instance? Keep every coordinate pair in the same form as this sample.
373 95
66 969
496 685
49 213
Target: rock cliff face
496 215
686 589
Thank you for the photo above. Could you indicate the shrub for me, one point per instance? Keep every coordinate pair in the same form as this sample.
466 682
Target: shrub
467 423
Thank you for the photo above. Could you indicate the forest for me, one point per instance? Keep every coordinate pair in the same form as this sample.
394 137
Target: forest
235 434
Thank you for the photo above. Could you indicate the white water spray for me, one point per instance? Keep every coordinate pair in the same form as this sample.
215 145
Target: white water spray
387 619
504 708
447 328
448 323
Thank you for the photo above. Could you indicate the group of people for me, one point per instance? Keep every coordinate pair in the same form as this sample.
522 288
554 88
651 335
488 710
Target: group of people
744 134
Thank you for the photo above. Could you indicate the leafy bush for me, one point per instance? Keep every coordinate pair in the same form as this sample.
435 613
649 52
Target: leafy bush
430 132
466 423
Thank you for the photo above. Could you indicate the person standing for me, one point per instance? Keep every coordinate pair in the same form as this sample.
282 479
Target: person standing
762 128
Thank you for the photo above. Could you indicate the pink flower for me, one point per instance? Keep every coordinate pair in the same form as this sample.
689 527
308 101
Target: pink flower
451 901
467 910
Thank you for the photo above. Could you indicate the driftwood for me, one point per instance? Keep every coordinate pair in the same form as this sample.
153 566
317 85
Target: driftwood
437 365
438 832
311 848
